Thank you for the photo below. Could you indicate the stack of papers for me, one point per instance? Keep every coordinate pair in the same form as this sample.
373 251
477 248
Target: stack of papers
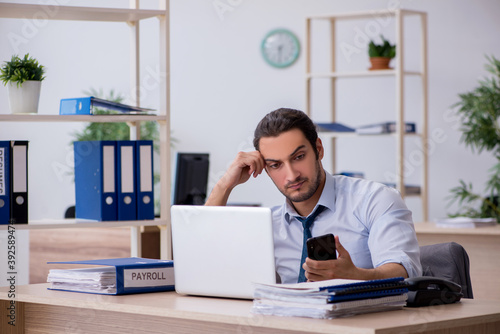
93 280
330 299
119 276
465 222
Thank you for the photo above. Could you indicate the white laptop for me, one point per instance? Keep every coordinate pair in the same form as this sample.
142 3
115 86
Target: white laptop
220 250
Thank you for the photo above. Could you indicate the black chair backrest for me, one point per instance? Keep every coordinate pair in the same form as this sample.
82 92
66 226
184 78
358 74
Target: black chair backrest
449 261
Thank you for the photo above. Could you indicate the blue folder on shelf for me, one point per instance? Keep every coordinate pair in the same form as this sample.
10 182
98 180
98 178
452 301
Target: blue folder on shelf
95 180
119 276
4 181
334 127
126 180
85 105
144 180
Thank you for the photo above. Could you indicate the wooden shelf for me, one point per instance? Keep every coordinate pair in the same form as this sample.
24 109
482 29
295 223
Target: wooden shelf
81 118
131 16
356 135
51 12
366 14
79 223
378 73
332 73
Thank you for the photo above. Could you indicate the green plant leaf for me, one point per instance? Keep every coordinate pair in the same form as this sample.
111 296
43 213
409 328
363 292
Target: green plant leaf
479 113
20 70
381 50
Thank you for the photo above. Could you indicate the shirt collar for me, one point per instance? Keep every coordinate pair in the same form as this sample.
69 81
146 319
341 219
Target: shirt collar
327 199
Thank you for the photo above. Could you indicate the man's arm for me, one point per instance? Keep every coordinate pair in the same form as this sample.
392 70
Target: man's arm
244 165
344 268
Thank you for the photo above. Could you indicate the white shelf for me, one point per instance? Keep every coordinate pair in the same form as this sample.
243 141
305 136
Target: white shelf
366 14
51 12
131 16
357 135
377 73
332 73
81 118
80 223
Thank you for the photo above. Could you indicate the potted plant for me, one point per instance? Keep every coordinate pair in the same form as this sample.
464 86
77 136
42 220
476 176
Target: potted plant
381 54
23 76
479 112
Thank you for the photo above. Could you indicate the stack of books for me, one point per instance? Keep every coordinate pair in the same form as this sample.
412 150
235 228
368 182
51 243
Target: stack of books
331 298
118 276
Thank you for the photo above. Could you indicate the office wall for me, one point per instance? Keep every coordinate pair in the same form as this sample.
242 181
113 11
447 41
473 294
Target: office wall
221 86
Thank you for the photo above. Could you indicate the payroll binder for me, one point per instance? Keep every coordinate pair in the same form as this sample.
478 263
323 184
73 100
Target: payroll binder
4 182
144 180
126 175
95 180
119 276
84 106
19 182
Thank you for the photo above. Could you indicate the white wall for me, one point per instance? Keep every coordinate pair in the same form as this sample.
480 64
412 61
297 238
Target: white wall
221 86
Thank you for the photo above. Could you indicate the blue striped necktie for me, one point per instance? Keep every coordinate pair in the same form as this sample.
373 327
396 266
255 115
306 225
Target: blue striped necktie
306 224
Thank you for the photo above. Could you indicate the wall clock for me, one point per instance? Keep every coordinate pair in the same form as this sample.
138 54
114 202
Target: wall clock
280 48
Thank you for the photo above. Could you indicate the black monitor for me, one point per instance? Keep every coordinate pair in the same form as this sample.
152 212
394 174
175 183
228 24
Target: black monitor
191 178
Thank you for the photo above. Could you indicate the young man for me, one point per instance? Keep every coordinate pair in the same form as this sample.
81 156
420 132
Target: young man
371 220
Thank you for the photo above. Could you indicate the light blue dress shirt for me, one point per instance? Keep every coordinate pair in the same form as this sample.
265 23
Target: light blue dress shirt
372 221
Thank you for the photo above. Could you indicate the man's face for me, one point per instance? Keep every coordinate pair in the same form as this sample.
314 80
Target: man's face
292 164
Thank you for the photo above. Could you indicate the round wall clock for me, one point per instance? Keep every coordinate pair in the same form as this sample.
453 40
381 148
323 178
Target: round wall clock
280 48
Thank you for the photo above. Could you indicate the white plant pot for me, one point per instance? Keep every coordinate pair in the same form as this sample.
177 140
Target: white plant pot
24 99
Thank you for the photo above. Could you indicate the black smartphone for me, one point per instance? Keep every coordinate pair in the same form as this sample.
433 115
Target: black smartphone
321 248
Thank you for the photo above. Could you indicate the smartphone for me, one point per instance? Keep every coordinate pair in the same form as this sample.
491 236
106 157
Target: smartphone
321 248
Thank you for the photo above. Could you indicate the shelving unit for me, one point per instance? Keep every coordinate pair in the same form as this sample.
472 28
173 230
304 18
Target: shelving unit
132 17
398 73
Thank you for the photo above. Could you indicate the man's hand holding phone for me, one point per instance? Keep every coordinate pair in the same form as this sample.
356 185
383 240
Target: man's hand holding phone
322 262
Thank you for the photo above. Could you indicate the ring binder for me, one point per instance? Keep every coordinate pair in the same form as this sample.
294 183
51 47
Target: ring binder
4 182
95 180
19 185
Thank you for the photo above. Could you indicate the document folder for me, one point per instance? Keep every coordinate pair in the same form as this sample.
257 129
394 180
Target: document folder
84 106
19 179
126 176
4 182
95 180
133 275
144 181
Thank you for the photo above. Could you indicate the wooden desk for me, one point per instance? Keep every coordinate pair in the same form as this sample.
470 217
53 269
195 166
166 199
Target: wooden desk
482 246
46 311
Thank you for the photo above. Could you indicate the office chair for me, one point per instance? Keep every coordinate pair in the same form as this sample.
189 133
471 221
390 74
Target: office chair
449 261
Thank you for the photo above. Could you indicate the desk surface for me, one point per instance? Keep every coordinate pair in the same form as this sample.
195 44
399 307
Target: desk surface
236 314
432 228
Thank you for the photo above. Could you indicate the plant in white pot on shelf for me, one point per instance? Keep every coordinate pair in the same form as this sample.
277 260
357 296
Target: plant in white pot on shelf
23 76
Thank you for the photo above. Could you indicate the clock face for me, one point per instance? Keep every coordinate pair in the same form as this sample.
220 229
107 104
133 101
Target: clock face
280 48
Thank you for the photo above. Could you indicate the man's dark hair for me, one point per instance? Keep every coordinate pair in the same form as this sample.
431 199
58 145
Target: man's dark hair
285 119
